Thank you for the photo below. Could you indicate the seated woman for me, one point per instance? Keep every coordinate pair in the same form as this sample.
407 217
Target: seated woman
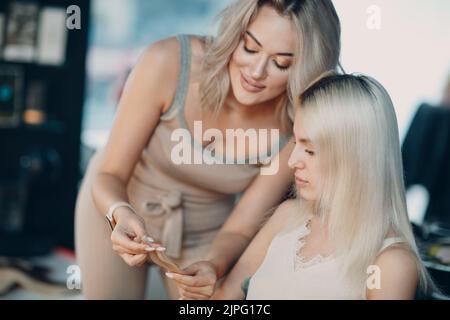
347 236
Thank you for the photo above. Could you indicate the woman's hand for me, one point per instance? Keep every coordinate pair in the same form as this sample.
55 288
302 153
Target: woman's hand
198 281
129 238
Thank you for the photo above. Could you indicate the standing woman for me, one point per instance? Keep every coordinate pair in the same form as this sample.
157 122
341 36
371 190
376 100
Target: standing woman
240 79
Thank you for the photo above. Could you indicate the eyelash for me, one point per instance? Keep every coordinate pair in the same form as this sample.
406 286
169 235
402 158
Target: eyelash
248 50
311 153
281 68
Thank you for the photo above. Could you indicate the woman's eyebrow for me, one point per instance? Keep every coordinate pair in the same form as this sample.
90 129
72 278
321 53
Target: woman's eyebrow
305 141
288 54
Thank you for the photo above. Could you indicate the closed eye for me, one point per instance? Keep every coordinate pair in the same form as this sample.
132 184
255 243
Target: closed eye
280 66
310 152
248 50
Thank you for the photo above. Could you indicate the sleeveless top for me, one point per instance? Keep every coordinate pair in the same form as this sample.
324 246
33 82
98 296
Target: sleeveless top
184 205
285 274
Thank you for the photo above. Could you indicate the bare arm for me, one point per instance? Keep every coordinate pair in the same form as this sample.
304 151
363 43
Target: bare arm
264 193
148 90
398 274
254 255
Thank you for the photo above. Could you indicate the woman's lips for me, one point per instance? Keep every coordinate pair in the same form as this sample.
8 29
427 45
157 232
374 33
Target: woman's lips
250 85
300 182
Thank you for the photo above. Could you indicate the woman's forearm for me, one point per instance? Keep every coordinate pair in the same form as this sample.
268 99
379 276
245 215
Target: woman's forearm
255 206
106 190
226 250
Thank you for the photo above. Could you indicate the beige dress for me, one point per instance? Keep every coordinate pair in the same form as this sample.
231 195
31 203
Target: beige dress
183 206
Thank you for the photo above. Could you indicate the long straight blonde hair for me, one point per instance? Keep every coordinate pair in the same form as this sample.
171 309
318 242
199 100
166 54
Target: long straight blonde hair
318 30
352 123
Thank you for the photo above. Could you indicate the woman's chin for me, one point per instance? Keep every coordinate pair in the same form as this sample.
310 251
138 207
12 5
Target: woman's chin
304 194
247 99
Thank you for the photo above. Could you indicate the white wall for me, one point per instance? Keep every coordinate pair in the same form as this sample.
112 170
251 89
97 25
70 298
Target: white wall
409 54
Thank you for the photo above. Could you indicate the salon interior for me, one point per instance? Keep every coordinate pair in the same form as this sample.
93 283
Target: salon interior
63 65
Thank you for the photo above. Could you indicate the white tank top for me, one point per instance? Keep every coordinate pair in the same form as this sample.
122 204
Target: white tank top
283 275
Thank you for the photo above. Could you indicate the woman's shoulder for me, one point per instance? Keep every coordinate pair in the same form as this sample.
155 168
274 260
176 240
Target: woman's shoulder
159 62
397 257
287 206
399 273
395 252
276 222
167 51
283 213
162 59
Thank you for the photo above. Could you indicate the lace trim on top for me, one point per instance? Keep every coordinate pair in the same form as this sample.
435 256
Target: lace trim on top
300 261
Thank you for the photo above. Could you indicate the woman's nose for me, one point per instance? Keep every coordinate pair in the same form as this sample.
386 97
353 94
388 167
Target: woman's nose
295 162
259 68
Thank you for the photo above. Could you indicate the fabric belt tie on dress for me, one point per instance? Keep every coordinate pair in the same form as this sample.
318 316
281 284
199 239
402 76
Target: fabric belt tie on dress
170 205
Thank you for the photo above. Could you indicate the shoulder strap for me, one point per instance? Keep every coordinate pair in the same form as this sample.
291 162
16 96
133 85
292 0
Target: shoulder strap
389 242
183 76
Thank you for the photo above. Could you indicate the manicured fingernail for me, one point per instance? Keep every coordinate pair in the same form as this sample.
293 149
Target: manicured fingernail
169 275
149 249
147 239
160 249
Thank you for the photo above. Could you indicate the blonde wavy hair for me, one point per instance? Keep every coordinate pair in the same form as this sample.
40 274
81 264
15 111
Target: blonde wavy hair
352 123
318 31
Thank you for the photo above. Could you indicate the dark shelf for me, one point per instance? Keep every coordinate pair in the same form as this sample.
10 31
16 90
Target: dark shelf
52 148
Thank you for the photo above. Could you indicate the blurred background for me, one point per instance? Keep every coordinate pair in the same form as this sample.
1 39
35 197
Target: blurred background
62 68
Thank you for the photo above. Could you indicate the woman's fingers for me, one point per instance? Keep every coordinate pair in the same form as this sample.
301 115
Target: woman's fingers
193 287
185 280
120 250
134 260
121 239
145 239
141 261
133 250
205 291
186 295
190 281
192 296
157 246
150 242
